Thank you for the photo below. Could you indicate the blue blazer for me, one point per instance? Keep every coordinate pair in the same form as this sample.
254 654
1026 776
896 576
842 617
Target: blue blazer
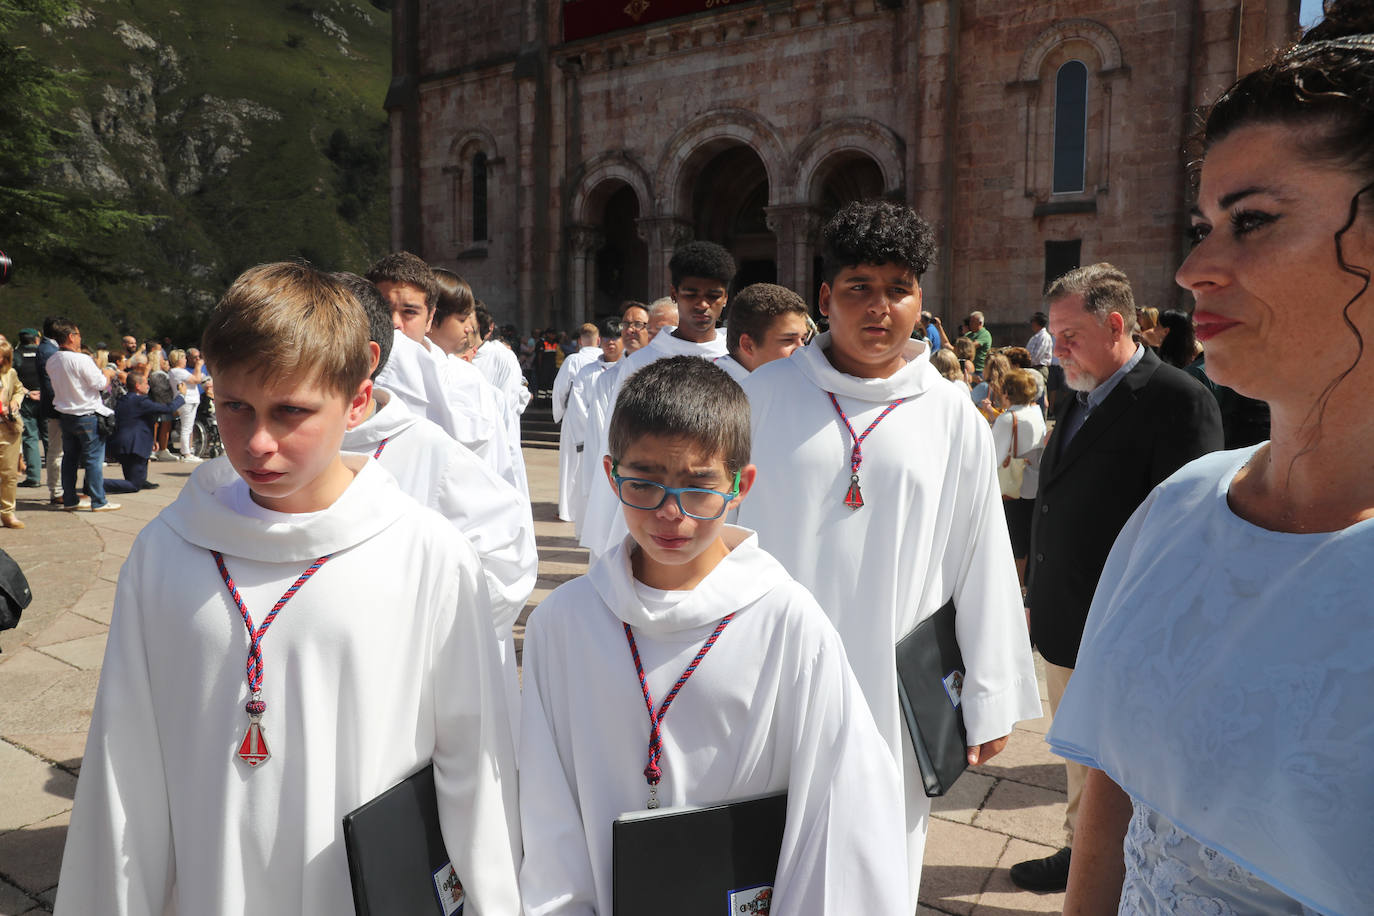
134 417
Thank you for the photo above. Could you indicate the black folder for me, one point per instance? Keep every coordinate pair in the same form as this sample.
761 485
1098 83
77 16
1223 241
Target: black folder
930 678
690 861
397 861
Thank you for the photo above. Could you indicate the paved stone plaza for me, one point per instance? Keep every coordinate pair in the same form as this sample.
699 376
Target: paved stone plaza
996 816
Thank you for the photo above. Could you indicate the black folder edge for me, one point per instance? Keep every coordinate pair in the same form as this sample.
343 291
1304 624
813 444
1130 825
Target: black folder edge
930 777
414 783
630 817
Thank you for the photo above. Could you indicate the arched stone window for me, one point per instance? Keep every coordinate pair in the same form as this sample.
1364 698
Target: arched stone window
1066 80
1070 127
479 197
475 191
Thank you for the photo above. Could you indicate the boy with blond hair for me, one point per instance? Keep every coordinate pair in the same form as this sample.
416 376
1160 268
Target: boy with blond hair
268 670
764 699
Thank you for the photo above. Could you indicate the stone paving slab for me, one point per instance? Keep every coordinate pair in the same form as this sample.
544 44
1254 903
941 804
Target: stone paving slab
998 814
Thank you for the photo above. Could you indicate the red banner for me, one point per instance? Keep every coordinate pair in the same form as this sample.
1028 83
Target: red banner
585 18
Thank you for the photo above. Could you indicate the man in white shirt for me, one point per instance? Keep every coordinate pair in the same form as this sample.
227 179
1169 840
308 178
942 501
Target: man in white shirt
1041 344
77 384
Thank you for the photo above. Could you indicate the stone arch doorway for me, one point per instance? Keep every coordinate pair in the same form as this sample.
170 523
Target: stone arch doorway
609 259
842 178
621 261
729 195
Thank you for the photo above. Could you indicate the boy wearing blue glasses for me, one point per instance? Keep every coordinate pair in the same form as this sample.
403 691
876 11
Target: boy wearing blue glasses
747 681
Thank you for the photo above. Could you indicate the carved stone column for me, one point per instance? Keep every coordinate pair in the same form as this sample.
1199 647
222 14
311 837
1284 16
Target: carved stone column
798 230
662 234
583 242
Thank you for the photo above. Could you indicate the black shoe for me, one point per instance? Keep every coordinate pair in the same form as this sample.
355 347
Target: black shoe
30 483
1048 874
149 486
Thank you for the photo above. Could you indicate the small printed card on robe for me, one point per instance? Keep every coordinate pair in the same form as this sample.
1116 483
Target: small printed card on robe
930 682
698 860
397 861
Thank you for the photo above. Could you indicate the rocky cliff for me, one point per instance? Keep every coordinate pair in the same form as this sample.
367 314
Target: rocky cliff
250 130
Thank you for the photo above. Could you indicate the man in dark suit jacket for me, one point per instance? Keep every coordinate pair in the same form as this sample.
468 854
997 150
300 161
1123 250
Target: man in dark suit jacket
47 414
1132 422
132 441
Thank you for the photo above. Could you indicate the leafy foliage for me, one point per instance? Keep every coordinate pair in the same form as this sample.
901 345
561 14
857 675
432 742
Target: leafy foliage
149 152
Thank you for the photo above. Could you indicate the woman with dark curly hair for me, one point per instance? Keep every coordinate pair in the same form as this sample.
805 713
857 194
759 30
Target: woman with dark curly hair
1223 686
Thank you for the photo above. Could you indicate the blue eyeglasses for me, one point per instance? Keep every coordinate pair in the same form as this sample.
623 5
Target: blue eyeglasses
693 502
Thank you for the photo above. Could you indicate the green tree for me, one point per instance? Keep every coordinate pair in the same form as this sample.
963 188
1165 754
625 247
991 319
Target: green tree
42 226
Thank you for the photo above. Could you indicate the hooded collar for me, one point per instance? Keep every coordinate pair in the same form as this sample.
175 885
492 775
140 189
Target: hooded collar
403 375
746 574
665 344
915 378
390 418
201 515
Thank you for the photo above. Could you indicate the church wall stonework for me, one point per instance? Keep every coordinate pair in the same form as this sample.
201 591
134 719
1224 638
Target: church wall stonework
947 105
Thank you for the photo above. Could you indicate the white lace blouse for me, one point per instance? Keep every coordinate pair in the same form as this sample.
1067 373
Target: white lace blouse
1226 681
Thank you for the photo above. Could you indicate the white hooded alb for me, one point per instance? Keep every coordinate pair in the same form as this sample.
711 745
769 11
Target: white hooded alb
440 473
501 367
931 528
463 404
572 436
368 674
773 706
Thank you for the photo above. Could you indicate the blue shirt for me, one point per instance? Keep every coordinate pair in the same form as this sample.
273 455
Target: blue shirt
1088 401
933 336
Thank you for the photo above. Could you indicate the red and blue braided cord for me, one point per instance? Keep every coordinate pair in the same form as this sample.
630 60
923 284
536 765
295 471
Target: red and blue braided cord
254 668
652 772
856 455
378 453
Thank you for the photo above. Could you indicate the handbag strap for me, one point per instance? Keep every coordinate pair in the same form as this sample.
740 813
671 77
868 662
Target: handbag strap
1011 452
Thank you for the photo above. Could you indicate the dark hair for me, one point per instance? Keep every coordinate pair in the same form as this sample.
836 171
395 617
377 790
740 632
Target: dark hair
1324 84
378 314
1179 345
402 267
1041 319
876 232
755 308
608 327
455 296
701 259
1104 288
27 337
687 397
59 329
50 325
484 321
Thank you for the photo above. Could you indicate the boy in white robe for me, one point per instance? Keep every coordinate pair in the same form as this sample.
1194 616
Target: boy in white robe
499 364
438 472
701 275
885 534
636 330
572 428
772 706
218 766
588 349
457 397
767 322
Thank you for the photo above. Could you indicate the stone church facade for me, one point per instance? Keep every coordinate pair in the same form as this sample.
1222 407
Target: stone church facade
553 152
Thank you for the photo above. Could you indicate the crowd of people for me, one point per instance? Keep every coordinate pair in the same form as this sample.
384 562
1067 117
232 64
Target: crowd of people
769 508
